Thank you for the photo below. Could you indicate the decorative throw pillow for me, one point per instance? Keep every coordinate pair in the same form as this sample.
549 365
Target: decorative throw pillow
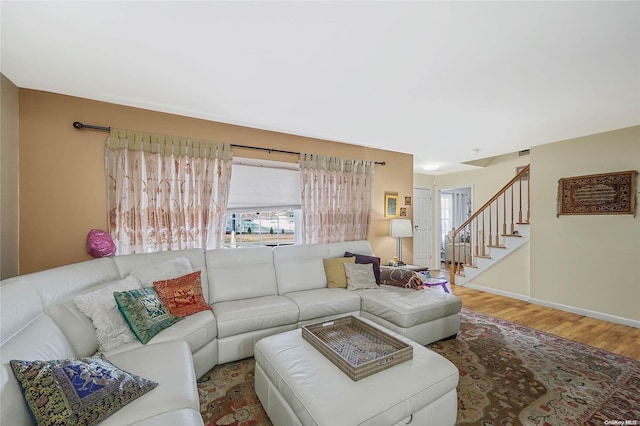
77 391
401 278
364 259
360 276
334 269
111 329
164 270
183 295
144 312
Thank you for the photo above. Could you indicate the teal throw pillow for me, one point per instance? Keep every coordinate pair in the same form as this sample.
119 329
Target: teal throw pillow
145 313
77 391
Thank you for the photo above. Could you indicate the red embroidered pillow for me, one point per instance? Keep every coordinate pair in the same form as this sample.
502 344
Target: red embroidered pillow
183 295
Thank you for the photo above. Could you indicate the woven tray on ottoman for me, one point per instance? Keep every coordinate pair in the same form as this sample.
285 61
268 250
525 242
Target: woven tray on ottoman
355 347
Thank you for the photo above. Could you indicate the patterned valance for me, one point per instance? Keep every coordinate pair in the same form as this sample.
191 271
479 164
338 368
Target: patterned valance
168 145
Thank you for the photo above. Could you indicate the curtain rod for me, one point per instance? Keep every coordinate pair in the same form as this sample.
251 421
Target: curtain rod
78 125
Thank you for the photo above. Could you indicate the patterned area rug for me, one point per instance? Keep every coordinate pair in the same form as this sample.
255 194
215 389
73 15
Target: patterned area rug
512 375
228 397
509 375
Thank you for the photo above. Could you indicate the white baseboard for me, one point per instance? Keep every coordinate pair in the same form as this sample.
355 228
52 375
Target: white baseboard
496 291
588 313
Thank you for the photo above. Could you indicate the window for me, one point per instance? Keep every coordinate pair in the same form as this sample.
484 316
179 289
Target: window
264 204
268 228
446 215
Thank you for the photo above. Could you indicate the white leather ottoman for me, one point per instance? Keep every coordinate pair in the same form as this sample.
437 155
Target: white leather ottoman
423 316
297 385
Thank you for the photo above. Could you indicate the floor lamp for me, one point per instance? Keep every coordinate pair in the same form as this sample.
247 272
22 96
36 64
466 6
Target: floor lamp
400 228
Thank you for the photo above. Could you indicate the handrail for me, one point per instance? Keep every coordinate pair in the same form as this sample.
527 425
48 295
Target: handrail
488 204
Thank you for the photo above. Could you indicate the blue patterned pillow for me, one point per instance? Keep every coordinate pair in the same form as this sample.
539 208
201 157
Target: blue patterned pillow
78 391
145 313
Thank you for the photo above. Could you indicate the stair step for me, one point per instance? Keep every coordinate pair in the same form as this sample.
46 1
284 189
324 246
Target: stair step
483 257
523 223
468 265
492 246
511 235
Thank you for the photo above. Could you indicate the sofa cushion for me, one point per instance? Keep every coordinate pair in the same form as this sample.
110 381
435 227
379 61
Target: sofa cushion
40 339
71 280
337 249
144 312
100 305
78 390
182 295
365 259
196 330
360 277
259 313
241 273
334 269
171 366
184 416
406 307
300 267
323 302
167 269
76 326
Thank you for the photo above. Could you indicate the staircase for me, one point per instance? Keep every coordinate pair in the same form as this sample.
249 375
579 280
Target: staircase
493 232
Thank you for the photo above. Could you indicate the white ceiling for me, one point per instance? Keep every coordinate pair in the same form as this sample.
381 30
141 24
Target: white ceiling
446 81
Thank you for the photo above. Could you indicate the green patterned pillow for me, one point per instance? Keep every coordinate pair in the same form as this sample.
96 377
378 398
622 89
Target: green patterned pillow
145 313
78 391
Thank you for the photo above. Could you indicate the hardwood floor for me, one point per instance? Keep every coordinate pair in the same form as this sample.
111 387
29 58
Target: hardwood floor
619 339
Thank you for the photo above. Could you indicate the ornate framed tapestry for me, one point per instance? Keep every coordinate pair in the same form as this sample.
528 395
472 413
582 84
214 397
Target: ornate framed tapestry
606 193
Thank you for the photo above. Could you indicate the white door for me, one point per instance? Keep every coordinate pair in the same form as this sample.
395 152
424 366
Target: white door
422 228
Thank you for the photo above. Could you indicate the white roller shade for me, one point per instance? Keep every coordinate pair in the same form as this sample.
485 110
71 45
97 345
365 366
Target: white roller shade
260 188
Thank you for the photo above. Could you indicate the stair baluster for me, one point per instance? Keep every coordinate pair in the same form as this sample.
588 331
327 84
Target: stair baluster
468 232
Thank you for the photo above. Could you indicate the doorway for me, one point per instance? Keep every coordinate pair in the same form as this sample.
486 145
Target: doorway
455 206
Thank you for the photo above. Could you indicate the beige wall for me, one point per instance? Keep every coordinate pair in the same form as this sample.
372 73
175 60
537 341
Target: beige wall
588 262
585 263
9 204
484 183
62 188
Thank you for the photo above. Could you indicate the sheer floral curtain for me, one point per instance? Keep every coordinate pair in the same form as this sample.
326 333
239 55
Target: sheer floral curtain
166 193
336 198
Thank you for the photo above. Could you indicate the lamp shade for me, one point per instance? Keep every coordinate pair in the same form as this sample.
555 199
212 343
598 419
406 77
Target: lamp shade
400 228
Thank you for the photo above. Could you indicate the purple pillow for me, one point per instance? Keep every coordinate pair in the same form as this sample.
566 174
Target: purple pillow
100 244
364 259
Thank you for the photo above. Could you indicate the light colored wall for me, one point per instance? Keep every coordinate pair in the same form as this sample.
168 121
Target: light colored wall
9 190
510 276
484 182
589 262
586 263
62 187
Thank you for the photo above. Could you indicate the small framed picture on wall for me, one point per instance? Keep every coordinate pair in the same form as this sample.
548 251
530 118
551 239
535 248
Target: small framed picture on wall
403 212
390 205
407 201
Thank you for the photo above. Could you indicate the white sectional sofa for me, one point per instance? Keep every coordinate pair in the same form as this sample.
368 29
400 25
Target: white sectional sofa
253 293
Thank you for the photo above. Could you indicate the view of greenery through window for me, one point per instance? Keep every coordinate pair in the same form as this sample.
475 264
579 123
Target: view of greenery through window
260 228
